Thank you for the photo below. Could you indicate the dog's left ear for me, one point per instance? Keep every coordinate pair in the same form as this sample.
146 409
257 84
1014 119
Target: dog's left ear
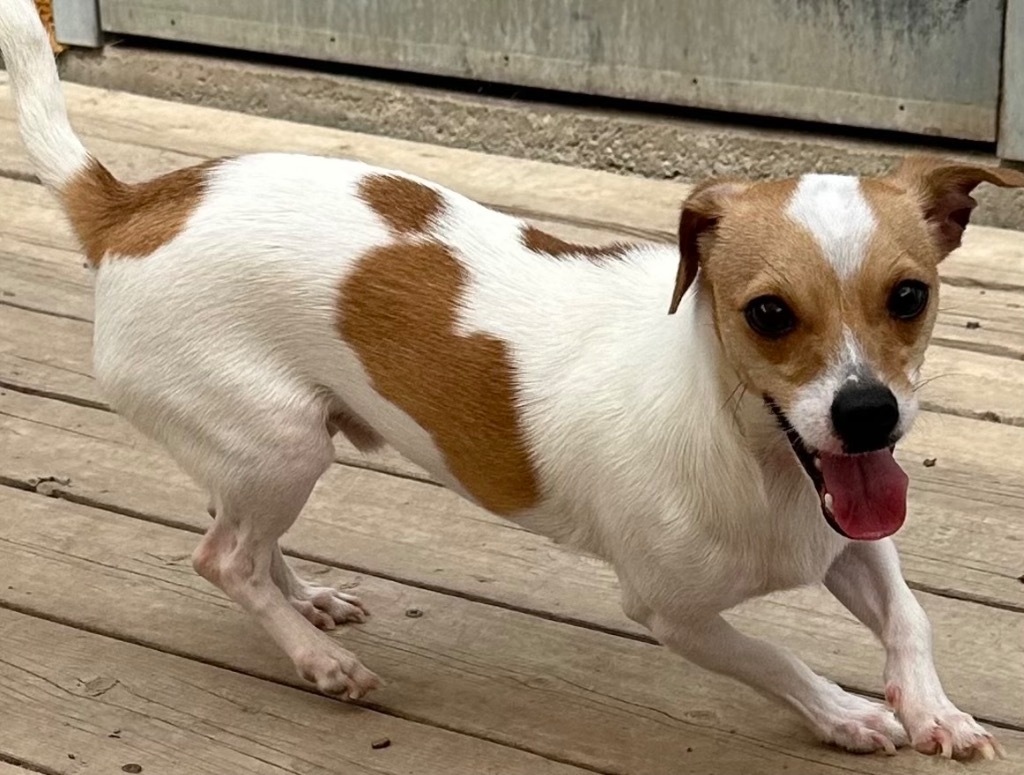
702 210
943 191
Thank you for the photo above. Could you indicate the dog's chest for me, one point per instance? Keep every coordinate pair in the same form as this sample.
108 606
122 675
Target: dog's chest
791 544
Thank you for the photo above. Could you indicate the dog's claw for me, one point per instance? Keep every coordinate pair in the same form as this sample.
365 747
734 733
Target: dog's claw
946 731
885 744
864 726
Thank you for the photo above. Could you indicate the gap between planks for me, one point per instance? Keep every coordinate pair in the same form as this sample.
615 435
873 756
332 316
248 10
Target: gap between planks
11 765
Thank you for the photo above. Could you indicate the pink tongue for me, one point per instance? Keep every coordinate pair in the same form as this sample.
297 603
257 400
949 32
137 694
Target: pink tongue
869 493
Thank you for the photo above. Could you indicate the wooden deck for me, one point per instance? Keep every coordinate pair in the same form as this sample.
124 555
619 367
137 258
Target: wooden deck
503 654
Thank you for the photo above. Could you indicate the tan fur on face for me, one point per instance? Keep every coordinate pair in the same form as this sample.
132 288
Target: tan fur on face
541 242
406 206
131 220
398 311
900 249
758 250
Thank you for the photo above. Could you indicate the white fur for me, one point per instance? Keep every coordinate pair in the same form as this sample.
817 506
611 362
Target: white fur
811 410
56 152
223 344
833 209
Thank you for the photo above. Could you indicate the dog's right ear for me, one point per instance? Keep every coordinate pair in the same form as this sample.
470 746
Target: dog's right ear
943 192
701 212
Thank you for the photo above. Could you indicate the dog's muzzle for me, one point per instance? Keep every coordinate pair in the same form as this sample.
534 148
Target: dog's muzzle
862 493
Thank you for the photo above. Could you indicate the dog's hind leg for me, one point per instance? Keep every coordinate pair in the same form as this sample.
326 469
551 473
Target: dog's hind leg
326 607
259 489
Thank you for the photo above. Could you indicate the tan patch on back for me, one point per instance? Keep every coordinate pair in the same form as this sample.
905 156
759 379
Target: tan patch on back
131 219
406 206
398 311
541 242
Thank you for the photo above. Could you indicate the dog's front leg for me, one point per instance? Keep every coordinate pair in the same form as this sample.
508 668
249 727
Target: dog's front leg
866 578
836 716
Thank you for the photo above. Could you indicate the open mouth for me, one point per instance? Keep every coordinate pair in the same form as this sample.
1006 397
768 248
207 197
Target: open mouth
863 496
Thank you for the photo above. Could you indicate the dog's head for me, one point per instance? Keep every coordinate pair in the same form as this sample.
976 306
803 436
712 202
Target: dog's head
825 290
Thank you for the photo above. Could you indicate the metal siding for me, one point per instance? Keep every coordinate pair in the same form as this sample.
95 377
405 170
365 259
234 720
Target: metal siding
1011 117
912 65
77 23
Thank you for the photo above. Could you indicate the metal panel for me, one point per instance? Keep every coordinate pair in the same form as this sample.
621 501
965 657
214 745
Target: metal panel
77 23
1011 114
923 66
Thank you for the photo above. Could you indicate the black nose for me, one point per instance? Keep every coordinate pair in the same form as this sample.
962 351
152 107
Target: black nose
864 415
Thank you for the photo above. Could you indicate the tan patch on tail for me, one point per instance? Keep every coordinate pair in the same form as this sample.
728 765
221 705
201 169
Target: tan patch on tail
406 206
541 242
398 311
131 219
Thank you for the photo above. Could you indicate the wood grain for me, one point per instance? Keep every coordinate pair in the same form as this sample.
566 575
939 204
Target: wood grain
75 702
597 700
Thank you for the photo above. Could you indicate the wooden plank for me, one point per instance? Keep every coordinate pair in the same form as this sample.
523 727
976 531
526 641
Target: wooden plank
427 536
49 352
964 516
589 698
1011 106
630 205
540 188
984 383
76 702
40 259
980 319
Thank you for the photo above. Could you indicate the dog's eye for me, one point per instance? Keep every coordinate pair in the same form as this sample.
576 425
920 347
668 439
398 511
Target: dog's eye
908 299
770 316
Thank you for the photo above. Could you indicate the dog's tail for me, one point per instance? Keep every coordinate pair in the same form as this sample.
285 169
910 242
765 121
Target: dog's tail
56 152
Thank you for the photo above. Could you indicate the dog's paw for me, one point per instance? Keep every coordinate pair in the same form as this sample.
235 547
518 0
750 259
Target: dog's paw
865 727
856 723
940 728
336 672
326 607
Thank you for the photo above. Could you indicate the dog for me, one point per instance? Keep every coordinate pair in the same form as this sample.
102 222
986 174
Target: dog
715 419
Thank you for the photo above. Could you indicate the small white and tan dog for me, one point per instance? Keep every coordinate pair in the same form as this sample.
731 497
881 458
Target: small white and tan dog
248 309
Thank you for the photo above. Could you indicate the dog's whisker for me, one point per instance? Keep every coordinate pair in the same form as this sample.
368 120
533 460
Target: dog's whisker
732 394
921 383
